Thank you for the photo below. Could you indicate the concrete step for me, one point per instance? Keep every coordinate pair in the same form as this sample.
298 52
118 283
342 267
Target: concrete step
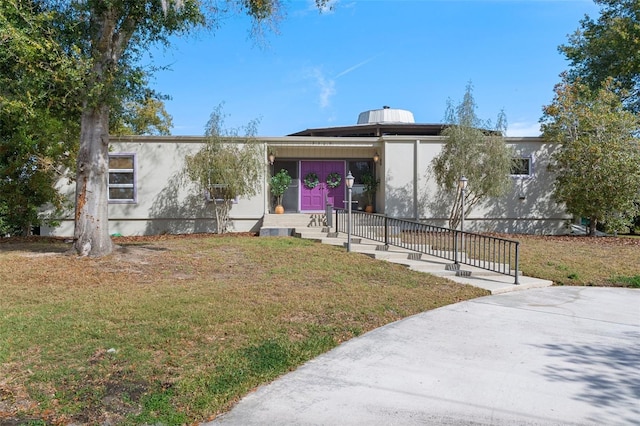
294 220
286 224
312 233
267 231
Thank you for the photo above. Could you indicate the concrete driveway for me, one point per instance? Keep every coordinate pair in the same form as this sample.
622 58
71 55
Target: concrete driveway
550 356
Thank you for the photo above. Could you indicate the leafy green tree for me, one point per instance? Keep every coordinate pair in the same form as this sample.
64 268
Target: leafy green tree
598 166
30 165
41 94
228 166
145 117
608 48
39 114
475 150
107 37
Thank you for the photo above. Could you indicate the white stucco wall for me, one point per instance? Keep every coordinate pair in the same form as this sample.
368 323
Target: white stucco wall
166 201
167 204
526 208
398 179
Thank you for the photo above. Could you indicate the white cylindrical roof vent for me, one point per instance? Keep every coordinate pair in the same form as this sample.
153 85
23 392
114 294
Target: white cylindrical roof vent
386 115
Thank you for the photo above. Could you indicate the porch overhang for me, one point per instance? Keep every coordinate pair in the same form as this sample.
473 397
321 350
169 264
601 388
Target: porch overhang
306 141
327 147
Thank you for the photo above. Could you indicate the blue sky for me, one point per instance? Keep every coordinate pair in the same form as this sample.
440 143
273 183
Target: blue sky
323 69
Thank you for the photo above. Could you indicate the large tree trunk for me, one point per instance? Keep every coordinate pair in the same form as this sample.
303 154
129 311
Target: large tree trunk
91 236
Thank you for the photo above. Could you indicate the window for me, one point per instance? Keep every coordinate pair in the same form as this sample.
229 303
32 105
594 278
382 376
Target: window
122 178
521 166
359 168
290 197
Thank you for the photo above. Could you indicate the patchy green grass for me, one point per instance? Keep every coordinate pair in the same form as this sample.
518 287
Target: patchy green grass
622 281
174 330
578 260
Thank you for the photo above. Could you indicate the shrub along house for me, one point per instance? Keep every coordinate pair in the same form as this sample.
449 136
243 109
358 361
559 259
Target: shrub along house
148 194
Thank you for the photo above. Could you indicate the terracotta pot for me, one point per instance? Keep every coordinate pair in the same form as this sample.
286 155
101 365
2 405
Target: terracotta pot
368 209
279 209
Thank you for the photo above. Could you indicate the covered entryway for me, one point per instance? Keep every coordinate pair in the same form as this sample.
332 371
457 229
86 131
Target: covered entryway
313 199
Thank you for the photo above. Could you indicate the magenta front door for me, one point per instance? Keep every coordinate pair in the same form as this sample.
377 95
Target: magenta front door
313 199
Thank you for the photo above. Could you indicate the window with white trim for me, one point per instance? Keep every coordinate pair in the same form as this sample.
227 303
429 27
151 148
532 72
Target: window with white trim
521 166
122 178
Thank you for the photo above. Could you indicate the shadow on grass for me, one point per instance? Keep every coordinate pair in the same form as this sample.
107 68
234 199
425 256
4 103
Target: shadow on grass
59 245
35 244
608 375
124 248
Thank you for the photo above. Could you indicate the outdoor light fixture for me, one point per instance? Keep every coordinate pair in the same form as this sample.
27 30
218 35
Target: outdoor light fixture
463 182
349 181
272 158
376 158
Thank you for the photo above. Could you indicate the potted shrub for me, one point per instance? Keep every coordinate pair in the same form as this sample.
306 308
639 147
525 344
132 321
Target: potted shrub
279 184
370 184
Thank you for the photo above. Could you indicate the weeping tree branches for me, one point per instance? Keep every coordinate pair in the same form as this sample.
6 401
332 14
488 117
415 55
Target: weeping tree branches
475 150
228 166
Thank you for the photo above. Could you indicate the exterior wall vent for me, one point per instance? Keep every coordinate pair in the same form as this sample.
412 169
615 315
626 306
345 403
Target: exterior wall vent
386 115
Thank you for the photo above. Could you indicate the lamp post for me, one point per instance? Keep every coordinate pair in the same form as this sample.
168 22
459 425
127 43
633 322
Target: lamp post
349 181
462 184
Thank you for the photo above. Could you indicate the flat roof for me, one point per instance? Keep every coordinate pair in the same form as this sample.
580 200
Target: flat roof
376 129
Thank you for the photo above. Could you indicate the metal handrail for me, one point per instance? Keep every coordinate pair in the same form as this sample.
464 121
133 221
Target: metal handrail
478 250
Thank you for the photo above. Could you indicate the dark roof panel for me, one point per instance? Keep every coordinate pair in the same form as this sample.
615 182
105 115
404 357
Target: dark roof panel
376 129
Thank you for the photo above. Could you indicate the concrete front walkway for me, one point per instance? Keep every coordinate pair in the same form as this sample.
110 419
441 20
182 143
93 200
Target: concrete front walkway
547 356
492 281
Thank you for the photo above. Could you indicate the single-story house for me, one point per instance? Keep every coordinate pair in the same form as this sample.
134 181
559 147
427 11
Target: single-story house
148 195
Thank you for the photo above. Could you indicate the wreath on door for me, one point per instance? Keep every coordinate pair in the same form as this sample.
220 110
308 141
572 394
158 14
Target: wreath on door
333 180
311 180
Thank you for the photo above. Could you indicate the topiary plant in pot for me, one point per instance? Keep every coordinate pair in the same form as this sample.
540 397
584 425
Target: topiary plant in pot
370 184
279 184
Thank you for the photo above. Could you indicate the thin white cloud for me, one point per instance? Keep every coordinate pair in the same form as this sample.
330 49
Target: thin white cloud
356 66
523 129
326 86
